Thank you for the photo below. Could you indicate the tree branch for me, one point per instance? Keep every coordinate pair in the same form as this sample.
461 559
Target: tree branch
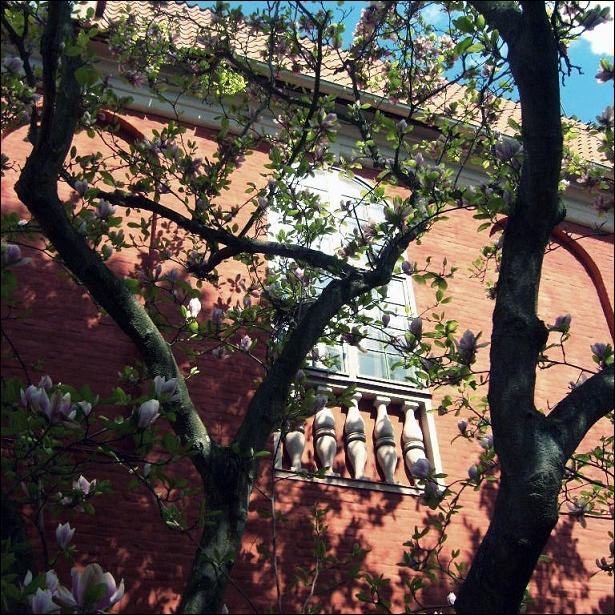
503 16
518 334
572 418
18 41
235 245
37 189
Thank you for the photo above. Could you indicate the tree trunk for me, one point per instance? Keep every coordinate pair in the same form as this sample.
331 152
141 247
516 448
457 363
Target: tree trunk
228 485
525 512
531 459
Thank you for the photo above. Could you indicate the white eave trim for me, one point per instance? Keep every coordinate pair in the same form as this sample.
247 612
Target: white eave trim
577 201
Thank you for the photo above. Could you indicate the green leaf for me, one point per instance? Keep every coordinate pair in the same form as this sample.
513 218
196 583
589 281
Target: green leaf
464 24
86 75
72 51
463 46
475 48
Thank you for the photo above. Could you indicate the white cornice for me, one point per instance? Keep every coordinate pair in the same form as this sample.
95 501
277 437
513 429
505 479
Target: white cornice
578 202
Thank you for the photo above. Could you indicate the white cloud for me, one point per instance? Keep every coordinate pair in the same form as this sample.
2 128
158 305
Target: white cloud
434 15
601 38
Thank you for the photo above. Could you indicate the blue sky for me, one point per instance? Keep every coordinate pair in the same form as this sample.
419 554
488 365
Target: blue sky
582 96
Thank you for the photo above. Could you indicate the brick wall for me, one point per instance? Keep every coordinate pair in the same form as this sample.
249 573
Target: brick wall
76 345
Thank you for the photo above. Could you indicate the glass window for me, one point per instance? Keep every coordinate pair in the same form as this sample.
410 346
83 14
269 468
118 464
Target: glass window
377 356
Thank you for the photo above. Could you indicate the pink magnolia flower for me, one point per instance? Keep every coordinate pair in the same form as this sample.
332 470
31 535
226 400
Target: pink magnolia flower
11 254
166 390
64 534
606 118
600 351
83 588
81 187
416 327
462 426
84 406
577 509
84 485
451 599
329 121
60 407
193 166
507 149
45 382
407 268
13 64
421 468
194 307
217 316
419 160
466 347
148 412
135 78
594 18
51 581
42 602
486 442
29 394
39 402
220 352
245 343
386 319
104 209
562 323
473 472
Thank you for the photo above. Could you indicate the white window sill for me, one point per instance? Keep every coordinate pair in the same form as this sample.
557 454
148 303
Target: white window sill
348 483
397 390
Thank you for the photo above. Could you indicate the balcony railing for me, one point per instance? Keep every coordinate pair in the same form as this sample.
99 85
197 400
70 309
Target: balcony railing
371 444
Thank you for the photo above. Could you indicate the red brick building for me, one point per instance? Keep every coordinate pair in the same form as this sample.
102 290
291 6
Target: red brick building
78 345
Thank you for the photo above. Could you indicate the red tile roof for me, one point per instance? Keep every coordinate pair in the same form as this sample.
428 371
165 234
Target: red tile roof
187 21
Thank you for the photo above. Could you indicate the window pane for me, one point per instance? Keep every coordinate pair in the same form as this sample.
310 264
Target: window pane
395 292
398 373
334 356
372 364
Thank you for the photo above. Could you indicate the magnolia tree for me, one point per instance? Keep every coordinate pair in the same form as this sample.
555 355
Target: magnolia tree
293 294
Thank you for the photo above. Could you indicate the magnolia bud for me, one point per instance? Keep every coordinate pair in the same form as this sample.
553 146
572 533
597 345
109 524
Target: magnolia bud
421 468
407 268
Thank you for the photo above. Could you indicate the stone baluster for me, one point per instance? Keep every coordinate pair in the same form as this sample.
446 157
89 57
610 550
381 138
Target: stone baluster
384 436
295 443
278 449
354 434
412 437
325 439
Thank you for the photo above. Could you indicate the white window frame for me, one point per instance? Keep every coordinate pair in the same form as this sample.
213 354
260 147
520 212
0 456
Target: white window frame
335 186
